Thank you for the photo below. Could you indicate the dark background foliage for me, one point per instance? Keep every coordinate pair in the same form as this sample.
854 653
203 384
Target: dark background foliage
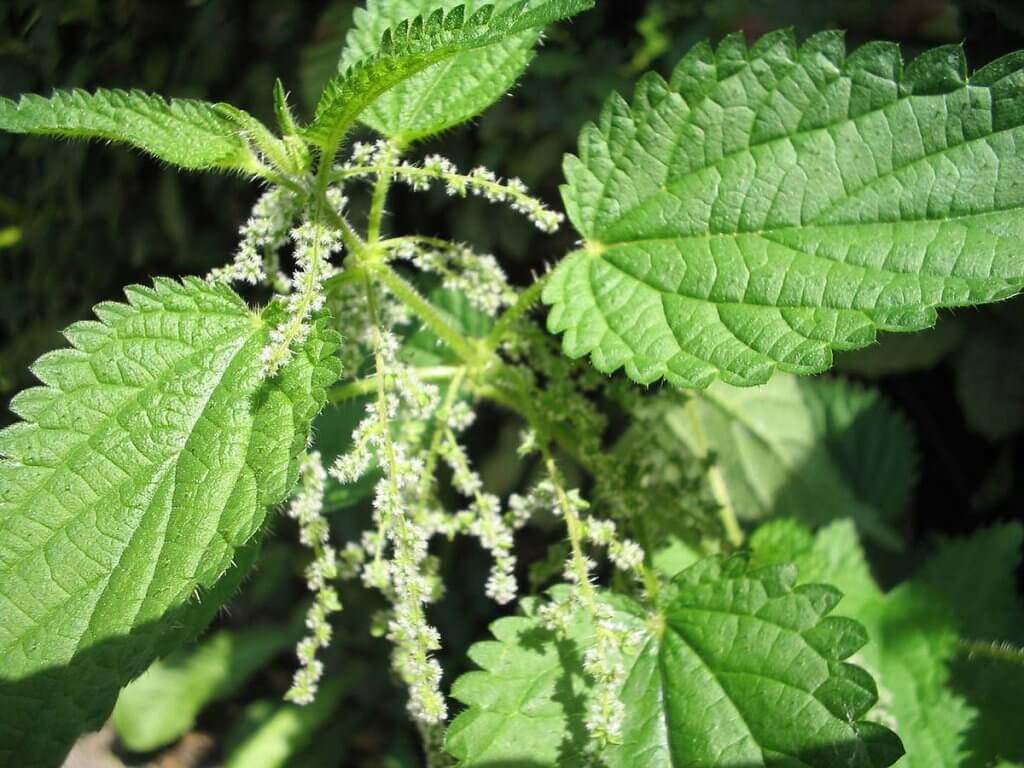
77 222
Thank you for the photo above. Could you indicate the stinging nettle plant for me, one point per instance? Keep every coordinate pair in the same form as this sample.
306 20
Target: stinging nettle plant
761 209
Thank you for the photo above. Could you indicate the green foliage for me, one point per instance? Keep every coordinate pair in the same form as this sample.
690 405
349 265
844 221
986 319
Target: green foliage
737 667
147 459
767 206
783 447
445 94
950 709
977 578
183 132
161 706
759 210
871 443
414 45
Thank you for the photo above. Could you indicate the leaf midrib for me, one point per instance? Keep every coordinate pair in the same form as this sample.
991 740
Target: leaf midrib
866 269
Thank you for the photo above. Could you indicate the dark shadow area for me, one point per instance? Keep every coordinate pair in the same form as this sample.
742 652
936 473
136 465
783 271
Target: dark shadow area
58 704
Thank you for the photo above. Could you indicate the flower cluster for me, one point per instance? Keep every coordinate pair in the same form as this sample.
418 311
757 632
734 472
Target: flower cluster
626 555
379 159
349 309
483 519
261 239
603 661
478 277
405 578
314 243
306 508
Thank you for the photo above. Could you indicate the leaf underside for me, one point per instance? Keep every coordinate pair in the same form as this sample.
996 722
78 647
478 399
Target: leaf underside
184 132
139 470
745 670
770 205
414 45
446 94
784 447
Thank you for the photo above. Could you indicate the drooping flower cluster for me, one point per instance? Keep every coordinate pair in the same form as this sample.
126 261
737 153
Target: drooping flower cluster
261 239
603 661
404 578
314 244
307 509
483 519
379 160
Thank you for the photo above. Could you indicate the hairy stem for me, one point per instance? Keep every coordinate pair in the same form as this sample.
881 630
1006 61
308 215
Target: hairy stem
380 196
997 651
441 426
574 527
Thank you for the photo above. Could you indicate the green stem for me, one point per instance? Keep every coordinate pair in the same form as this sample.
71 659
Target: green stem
727 514
428 313
380 386
380 193
523 304
349 275
434 242
380 196
652 584
462 182
353 242
367 386
574 527
441 426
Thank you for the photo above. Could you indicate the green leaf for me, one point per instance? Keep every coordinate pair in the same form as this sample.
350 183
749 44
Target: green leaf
141 467
184 132
870 442
739 669
768 206
914 642
423 348
949 710
445 94
977 577
784 447
414 45
833 556
162 705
